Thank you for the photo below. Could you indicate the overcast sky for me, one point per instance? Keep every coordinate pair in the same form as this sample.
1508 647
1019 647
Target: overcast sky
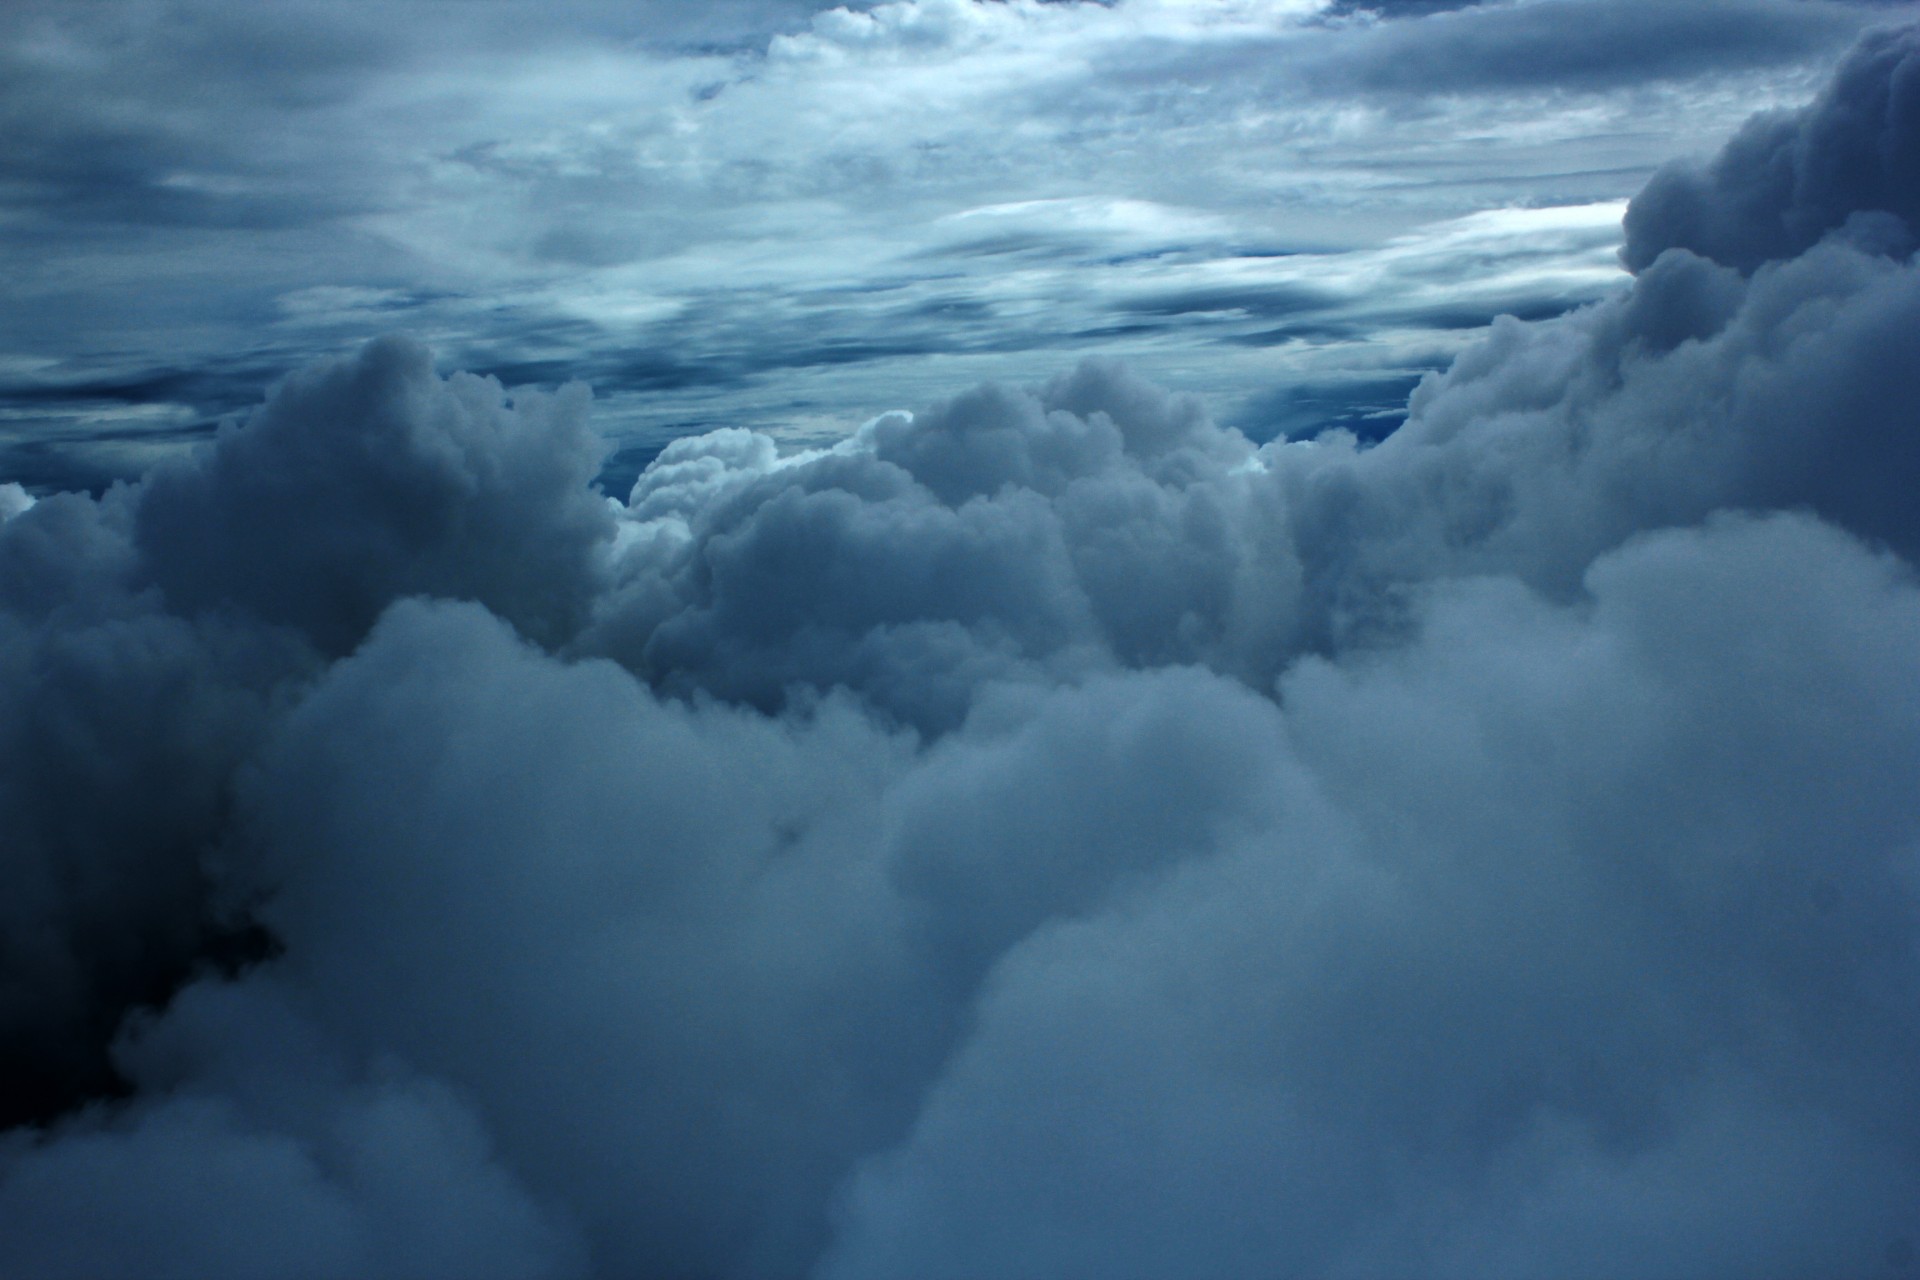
769 214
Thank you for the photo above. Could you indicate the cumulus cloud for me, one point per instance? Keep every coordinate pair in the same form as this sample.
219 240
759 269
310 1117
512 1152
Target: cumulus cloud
366 480
272 1156
1787 180
1045 834
1496 962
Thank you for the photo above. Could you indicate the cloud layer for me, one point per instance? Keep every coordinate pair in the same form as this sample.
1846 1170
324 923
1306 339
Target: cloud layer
1048 834
774 214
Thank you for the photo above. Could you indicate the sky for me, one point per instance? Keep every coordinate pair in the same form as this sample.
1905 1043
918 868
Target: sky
1141 641
790 218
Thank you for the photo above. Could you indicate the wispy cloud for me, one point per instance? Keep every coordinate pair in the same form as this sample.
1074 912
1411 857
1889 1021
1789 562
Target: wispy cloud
182 183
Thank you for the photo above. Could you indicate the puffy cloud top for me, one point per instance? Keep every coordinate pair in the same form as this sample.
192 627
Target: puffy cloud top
364 480
1786 180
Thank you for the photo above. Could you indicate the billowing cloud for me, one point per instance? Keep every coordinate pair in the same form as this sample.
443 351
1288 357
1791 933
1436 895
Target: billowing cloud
1786 181
363 481
1496 963
1046 834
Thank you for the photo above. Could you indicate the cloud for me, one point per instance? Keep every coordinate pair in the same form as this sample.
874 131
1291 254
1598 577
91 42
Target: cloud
371 479
1095 523
1496 964
274 1159
1787 180
1477 48
756 212
123 725
1048 833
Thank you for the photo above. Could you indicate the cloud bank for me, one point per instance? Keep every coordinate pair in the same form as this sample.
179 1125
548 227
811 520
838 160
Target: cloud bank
1048 834
788 216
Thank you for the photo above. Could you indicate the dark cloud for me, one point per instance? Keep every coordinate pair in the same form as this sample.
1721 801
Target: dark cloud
1516 46
192 398
1852 158
1420 1025
123 726
367 480
278 1157
206 113
107 115
73 461
1258 302
209 185
1048 834
1483 48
